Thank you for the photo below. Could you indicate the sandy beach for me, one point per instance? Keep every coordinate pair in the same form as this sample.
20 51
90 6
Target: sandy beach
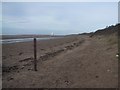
78 61
77 44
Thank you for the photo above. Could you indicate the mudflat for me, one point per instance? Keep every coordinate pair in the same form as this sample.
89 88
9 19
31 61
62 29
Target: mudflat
71 62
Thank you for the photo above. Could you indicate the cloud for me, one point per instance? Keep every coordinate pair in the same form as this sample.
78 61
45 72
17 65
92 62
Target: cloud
41 23
57 17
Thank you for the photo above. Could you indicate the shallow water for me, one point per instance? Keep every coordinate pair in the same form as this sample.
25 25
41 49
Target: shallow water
7 41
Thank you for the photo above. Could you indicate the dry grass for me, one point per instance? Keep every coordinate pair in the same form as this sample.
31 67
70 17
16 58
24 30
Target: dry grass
112 40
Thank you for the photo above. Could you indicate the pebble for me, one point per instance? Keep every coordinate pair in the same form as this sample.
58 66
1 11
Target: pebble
30 69
97 76
117 55
22 67
10 79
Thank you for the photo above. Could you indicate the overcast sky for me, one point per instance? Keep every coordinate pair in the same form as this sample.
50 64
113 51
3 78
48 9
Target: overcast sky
59 18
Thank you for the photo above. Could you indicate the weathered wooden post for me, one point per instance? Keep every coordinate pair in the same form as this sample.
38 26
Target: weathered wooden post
35 55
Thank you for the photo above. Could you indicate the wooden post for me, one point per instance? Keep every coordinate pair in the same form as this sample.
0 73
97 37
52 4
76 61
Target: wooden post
35 55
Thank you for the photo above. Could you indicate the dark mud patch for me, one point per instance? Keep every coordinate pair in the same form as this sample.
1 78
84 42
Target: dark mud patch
54 53
20 53
4 57
9 69
50 54
26 59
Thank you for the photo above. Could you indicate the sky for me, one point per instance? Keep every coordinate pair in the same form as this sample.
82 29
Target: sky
61 18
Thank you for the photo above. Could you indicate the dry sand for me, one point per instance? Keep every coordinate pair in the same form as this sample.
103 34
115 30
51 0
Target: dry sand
70 62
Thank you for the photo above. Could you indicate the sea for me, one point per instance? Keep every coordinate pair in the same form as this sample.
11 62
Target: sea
8 41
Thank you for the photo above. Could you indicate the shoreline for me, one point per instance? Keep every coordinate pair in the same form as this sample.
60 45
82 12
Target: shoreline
7 41
28 36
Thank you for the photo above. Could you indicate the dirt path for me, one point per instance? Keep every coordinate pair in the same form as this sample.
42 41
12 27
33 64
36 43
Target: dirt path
90 65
